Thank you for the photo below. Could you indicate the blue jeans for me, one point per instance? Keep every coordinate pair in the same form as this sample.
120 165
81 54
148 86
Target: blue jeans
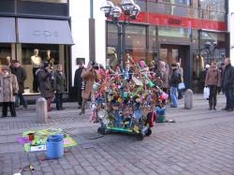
20 97
229 97
173 92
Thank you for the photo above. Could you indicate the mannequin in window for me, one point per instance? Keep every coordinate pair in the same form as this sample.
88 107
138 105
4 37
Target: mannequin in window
36 62
49 58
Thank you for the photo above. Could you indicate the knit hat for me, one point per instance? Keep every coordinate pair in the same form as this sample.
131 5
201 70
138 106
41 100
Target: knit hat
5 67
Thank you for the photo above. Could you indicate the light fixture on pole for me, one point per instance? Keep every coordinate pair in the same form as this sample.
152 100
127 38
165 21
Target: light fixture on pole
130 10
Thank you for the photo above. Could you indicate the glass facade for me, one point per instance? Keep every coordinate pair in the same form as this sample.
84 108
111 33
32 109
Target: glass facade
177 30
22 51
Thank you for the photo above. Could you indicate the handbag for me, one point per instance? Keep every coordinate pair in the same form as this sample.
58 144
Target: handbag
206 93
181 85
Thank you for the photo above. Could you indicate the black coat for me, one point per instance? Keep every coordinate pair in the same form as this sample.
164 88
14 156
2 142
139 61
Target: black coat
228 77
174 78
77 79
21 75
60 82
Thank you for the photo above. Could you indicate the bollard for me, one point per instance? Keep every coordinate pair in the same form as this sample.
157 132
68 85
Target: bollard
188 99
41 108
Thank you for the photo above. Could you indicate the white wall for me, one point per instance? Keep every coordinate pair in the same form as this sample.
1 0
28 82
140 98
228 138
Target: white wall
80 14
231 29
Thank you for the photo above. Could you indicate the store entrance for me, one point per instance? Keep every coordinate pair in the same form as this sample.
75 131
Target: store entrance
178 53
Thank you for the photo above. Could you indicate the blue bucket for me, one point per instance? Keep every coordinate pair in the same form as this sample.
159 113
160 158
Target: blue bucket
54 146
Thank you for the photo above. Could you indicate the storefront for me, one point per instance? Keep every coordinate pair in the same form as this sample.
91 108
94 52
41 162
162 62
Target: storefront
176 31
35 27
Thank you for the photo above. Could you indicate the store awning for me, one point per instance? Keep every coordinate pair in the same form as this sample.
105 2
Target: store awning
7 30
43 31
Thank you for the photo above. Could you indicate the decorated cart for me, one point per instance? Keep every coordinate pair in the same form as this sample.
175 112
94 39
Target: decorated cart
127 100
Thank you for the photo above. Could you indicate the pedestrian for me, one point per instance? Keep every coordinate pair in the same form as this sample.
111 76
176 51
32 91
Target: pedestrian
221 68
161 74
46 83
202 78
228 84
181 71
175 79
89 77
78 82
21 75
60 85
8 89
213 81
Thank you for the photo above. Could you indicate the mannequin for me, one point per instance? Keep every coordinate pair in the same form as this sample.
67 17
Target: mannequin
36 62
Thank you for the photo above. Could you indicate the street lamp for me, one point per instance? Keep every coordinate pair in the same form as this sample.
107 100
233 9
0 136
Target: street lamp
130 10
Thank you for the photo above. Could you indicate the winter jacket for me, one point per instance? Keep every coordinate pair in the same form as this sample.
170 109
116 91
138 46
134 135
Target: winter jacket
60 82
89 78
77 79
8 87
228 77
213 77
175 76
46 83
21 77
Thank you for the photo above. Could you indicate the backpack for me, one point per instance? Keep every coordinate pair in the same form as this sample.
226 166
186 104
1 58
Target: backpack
178 78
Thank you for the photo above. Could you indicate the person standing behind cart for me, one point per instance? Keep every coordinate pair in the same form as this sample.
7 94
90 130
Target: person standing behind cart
89 77
213 81
78 82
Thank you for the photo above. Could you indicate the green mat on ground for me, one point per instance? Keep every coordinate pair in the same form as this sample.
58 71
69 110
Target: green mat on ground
41 136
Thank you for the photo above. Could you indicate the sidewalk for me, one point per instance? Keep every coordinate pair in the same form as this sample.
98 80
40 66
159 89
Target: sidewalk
92 149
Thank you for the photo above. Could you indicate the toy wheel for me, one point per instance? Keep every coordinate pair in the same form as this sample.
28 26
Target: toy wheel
101 130
140 136
149 132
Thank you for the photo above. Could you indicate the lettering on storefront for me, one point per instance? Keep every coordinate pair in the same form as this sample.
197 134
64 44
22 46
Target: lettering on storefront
174 21
45 33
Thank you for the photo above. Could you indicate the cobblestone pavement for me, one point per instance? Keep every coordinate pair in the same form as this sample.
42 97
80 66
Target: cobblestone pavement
199 142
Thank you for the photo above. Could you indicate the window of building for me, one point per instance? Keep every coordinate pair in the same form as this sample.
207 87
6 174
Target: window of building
213 9
49 1
56 54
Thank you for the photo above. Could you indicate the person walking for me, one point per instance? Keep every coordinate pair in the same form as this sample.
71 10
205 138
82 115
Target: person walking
78 82
60 85
213 81
175 79
228 84
8 89
21 75
181 71
89 77
46 83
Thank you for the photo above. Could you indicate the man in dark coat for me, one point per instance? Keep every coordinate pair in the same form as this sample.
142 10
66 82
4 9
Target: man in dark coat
21 75
228 84
78 82
46 83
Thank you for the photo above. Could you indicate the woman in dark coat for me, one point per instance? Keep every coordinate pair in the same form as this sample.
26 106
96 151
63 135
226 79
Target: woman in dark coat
60 84
46 83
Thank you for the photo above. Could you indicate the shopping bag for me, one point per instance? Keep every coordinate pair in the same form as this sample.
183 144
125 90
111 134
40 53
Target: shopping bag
206 93
181 85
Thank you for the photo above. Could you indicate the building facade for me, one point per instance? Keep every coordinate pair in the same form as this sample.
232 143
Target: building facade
35 24
193 32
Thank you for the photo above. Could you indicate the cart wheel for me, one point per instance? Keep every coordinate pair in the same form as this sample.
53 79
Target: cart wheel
101 130
140 136
149 132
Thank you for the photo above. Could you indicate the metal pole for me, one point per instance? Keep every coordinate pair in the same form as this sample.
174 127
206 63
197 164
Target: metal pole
123 59
119 46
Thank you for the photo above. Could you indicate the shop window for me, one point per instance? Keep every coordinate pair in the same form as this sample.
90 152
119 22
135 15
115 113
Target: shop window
28 51
5 54
48 1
